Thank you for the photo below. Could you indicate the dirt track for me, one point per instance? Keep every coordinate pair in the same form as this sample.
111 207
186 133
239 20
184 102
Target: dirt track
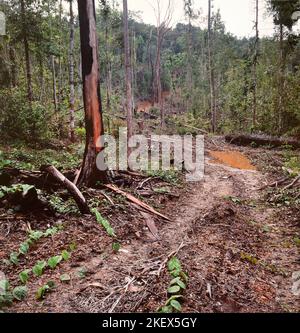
236 250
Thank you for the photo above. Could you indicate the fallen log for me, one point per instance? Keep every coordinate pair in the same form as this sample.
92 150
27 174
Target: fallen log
72 188
261 140
136 201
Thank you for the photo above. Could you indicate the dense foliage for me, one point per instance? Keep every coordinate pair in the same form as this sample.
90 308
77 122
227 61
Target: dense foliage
44 25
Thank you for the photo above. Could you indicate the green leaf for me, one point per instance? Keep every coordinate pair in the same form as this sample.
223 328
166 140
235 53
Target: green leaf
172 298
54 261
51 232
184 276
65 255
166 309
24 276
24 248
4 287
20 293
178 282
14 258
106 225
297 241
65 278
116 247
72 246
173 289
176 305
6 297
42 291
38 269
26 188
51 284
36 235
174 266
81 273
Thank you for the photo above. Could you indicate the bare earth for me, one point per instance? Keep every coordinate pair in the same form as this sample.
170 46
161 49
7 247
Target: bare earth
236 249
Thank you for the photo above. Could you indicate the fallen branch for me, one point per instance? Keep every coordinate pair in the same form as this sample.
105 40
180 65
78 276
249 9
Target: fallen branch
276 183
107 198
135 200
141 185
292 183
172 254
72 188
124 292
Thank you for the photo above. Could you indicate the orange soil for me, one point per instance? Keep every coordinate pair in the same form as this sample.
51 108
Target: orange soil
233 159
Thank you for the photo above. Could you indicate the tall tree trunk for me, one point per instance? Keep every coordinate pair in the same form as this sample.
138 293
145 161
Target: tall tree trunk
13 66
211 71
79 73
281 81
254 121
41 77
90 174
157 78
60 78
189 76
108 69
128 78
27 54
54 82
133 66
71 74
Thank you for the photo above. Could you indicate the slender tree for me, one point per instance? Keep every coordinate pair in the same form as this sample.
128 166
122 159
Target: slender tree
255 61
54 86
211 70
189 77
27 53
71 75
128 75
162 28
91 95
13 66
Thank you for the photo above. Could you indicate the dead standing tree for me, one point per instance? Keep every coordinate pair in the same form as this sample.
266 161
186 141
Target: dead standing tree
162 28
89 173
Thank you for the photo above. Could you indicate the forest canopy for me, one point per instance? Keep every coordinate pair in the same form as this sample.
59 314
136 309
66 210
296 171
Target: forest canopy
34 65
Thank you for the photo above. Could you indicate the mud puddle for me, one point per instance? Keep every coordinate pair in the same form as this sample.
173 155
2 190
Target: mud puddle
233 159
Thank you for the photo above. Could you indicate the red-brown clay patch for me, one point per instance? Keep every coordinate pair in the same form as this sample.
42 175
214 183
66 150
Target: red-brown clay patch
233 159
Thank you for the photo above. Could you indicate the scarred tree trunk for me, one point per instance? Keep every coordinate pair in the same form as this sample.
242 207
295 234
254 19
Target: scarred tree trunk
71 74
91 94
128 78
